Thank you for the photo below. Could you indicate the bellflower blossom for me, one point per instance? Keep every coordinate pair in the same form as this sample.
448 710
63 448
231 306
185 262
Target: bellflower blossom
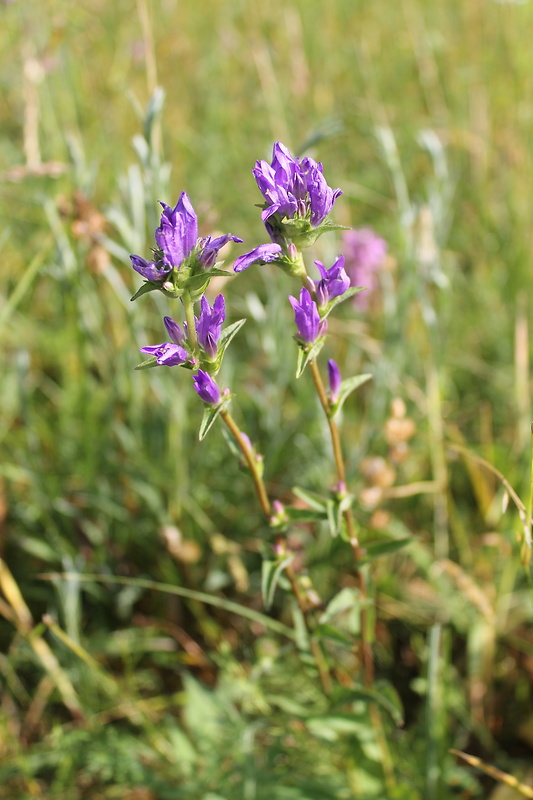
209 324
364 251
294 187
334 377
298 200
333 283
307 318
206 387
178 244
175 331
263 254
168 354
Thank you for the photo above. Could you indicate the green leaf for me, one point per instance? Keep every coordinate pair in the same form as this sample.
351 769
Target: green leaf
148 364
334 512
346 603
347 387
227 335
301 634
328 631
304 514
311 498
196 284
377 549
210 415
308 236
149 286
306 355
353 290
382 693
271 572
214 272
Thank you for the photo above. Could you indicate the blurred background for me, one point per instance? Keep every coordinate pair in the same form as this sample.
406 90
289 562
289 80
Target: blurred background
422 112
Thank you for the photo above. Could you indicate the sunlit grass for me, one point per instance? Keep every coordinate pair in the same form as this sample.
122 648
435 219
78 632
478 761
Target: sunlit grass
422 113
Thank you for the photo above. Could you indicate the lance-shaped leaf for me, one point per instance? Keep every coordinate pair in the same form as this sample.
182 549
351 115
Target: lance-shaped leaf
335 511
150 286
306 355
227 335
210 415
346 388
313 499
377 549
148 364
383 694
271 572
353 290
304 514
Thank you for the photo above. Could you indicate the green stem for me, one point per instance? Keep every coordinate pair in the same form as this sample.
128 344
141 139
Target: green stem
337 450
250 460
188 305
366 647
235 431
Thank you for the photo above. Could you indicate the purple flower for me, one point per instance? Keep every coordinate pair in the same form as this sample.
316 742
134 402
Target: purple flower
364 251
262 255
334 281
294 187
151 270
178 231
206 388
168 354
321 196
175 331
307 318
209 324
208 253
334 377
177 241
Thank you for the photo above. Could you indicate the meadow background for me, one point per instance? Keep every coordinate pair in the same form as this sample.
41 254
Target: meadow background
422 112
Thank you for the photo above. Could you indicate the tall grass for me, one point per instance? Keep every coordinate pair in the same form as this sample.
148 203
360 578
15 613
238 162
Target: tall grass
135 685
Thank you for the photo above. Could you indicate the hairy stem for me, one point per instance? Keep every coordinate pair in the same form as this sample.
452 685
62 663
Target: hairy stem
235 431
188 305
256 476
366 634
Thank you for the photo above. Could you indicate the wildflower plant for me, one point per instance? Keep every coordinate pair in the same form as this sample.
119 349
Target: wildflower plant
296 208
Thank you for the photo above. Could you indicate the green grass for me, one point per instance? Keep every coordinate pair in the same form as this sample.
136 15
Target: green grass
421 113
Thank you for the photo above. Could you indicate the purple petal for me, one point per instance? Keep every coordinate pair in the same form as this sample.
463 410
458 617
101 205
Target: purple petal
150 270
169 237
175 331
334 283
190 222
306 317
206 387
168 354
265 179
178 231
209 324
263 254
208 255
334 377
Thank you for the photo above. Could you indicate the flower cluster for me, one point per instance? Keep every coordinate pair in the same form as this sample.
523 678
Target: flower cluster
297 203
294 188
180 257
183 350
